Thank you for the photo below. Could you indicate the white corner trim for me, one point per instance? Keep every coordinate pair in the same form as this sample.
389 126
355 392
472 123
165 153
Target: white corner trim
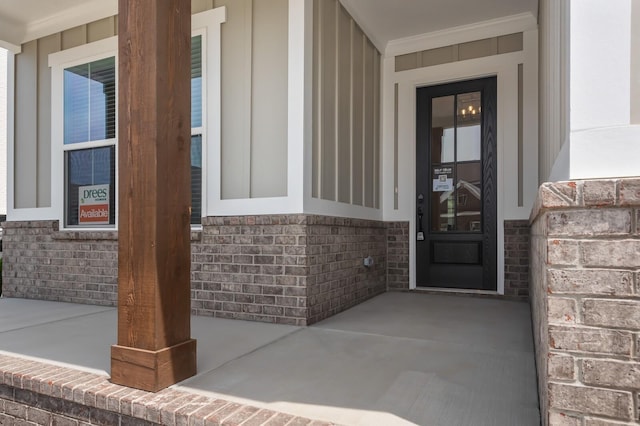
299 97
478 31
87 11
210 22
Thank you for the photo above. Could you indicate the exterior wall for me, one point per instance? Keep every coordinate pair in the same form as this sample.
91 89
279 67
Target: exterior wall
601 75
553 30
589 82
337 278
287 269
3 131
254 46
397 255
516 258
254 98
508 50
586 313
41 262
346 102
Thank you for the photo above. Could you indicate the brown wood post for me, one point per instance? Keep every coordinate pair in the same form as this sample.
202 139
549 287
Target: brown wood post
154 348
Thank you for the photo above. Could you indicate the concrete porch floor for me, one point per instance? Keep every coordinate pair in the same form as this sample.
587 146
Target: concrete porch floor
400 358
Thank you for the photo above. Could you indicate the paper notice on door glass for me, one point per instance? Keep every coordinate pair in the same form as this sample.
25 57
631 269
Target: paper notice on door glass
442 179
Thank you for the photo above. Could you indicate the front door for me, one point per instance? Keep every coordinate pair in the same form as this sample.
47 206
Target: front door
456 185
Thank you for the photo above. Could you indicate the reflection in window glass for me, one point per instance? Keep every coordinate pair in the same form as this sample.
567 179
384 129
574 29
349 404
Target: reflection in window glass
196 81
196 179
469 143
442 129
90 101
469 111
90 189
469 197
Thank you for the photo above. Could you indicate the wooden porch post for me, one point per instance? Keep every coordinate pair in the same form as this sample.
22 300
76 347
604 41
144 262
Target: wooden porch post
154 347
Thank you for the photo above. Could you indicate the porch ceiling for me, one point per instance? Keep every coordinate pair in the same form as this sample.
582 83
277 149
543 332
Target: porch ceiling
387 20
383 20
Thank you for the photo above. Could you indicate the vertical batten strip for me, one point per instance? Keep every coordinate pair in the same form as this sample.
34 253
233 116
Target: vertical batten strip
328 105
364 119
376 128
395 147
520 137
336 103
343 111
248 102
351 108
316 171
357 116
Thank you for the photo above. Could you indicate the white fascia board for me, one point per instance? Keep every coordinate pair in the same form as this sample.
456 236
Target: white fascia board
462 34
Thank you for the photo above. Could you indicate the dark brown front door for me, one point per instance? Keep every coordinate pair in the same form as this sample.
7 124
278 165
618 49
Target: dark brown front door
456 185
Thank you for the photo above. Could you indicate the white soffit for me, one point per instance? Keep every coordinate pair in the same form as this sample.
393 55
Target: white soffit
27 20
390 24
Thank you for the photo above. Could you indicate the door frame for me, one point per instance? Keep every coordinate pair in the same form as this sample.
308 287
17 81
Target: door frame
501 107
489 176
399 123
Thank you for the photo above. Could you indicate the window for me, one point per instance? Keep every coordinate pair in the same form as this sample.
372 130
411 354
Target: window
196 130
89 140
89 143
84 125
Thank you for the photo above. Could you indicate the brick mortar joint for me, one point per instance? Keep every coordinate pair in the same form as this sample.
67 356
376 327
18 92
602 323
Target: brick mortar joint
579 202
148 399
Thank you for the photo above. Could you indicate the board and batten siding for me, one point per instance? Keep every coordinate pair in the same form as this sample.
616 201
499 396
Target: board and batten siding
3 132
346 104
254 101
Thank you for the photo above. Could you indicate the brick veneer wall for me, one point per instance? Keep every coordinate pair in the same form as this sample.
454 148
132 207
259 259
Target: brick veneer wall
35 393
585 292
39 262
398 255
516 258
337 278
289 269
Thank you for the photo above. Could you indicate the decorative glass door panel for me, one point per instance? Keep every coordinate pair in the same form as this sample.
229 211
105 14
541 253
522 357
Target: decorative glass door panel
456 200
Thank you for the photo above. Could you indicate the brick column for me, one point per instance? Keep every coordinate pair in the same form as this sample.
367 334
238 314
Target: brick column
585 290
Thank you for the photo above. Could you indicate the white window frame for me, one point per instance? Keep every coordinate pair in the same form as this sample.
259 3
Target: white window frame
208 25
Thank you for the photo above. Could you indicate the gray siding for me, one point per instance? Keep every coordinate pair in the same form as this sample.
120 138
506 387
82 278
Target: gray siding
254 101
254 98
269 99
346 109
25 131
3 134
32 154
